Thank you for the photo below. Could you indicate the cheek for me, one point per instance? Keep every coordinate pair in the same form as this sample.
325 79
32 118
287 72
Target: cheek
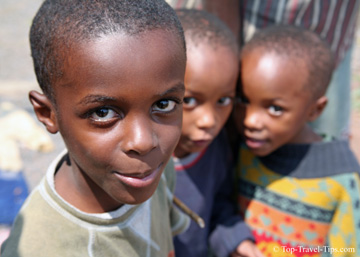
168 138
282 131
91 149
224 114
188 121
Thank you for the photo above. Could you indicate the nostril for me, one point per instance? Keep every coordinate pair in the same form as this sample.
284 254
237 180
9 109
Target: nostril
138 151
140 137
140 142
140 147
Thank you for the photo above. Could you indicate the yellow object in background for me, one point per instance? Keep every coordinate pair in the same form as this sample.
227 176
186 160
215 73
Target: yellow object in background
17 129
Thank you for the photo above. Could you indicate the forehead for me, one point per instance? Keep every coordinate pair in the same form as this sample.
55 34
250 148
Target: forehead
207 66
203 57
122 55
274 71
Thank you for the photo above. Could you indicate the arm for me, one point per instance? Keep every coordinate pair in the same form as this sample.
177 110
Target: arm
228 230
344 233
230 234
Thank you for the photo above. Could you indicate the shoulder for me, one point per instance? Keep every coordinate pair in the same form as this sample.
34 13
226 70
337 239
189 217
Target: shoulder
168 176
32 225
316 160
331 158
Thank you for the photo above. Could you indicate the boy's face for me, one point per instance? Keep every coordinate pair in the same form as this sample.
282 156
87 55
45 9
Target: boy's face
210 81
275 103
119 112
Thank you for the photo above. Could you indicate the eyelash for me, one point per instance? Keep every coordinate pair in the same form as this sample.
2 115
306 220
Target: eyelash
230 100
187 102
276 110
176 102
97 120
116 115
195 102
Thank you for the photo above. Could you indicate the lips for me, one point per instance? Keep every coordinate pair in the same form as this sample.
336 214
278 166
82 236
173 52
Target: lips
201 143
254 143
139 179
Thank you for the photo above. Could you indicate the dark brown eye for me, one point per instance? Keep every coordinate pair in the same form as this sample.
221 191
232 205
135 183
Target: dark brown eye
190 101
164 105
276 110
102 112
225 101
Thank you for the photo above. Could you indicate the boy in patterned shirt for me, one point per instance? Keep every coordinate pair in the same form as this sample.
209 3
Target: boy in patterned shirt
299 192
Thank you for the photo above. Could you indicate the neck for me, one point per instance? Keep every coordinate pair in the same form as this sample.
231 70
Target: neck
180 153
80 191
307 136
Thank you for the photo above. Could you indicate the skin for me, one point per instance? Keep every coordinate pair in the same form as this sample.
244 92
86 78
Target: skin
247 248
276 106
210 81
119 111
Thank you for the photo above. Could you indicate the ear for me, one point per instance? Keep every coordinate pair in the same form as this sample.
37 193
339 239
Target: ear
318 108
44 110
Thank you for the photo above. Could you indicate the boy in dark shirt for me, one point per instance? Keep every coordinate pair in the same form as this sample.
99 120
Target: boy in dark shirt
202 158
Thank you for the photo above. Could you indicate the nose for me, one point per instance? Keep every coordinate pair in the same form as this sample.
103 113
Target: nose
207 119
252 119
139 135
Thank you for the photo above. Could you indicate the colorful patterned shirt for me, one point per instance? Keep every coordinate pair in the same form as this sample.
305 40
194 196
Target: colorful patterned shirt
302 200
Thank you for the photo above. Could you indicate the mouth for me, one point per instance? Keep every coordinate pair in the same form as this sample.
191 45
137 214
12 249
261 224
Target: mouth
254 143
139 179
202 142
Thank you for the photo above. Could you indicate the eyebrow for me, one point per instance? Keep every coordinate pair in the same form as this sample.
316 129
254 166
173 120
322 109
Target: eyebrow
89 99
180 87
198 93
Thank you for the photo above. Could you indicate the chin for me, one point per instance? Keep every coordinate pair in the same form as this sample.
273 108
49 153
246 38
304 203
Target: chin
196 149
139 196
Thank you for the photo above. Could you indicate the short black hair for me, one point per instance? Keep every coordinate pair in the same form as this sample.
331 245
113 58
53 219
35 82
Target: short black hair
203 27
295 42
60 23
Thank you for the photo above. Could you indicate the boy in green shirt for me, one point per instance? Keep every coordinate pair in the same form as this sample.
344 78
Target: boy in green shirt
112 76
